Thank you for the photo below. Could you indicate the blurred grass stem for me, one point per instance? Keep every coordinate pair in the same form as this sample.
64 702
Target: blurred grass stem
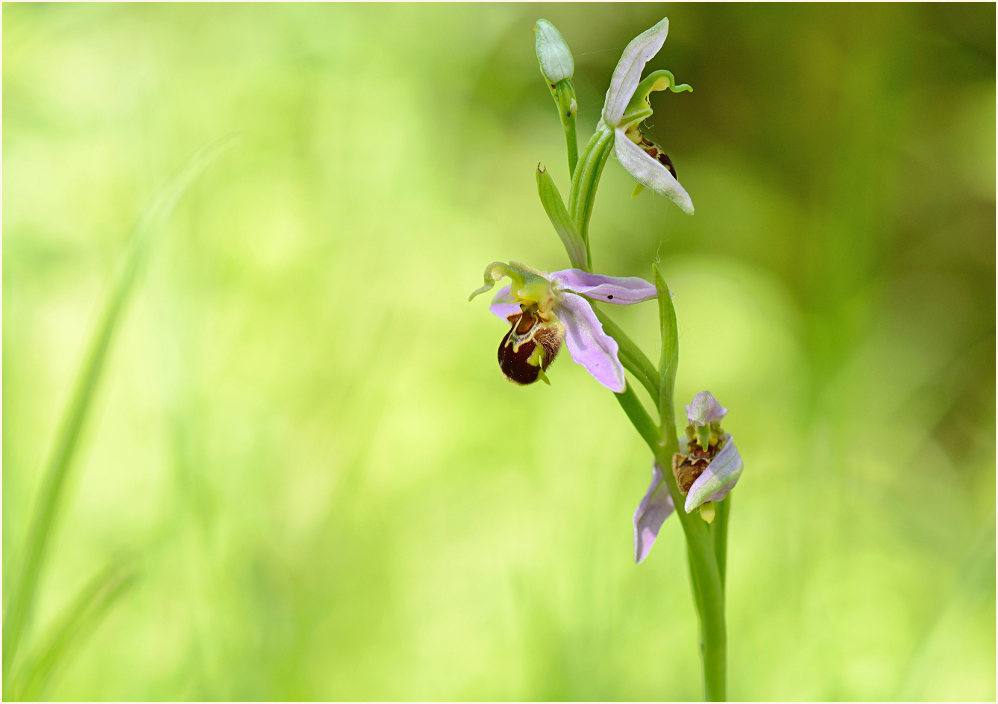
77 620
19 608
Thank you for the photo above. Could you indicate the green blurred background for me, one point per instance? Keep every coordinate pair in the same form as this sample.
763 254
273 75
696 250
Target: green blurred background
303 449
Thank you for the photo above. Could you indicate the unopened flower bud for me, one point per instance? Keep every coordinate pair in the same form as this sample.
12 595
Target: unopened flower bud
553 54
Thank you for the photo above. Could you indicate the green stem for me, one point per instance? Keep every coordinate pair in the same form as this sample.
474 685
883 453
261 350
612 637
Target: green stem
639 417
564 98
695 584
719 530
708 593
585 179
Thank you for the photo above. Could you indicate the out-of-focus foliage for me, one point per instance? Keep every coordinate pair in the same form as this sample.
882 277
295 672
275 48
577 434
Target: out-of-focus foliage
325 486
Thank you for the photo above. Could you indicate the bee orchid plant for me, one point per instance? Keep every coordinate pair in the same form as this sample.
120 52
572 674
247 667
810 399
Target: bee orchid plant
545 310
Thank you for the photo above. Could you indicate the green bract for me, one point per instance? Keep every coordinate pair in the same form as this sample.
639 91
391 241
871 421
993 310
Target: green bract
554 206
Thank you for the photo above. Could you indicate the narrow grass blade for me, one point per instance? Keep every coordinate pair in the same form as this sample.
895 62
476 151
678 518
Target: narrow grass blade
46 509
78 621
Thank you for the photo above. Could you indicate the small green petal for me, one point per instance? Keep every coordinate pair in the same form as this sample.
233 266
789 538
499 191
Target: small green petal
703 435
493 272
525 283
639 109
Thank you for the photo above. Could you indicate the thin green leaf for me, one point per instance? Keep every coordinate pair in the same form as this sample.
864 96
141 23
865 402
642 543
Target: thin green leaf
17 613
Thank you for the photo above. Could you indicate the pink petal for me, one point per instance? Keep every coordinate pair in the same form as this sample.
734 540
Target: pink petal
654 508
621 290
503 305
649 172
588 344
718 479
627 74
704 409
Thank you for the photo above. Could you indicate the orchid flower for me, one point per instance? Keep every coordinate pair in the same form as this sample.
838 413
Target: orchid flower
546 309
627 106
706 468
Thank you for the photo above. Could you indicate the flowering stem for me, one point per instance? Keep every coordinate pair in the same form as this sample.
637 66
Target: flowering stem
586 178
703 548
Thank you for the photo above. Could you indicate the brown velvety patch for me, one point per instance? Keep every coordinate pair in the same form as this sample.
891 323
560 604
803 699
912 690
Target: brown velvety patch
514 362
519 344
687 470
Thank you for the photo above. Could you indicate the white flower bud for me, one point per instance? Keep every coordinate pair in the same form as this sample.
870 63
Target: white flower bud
553 53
